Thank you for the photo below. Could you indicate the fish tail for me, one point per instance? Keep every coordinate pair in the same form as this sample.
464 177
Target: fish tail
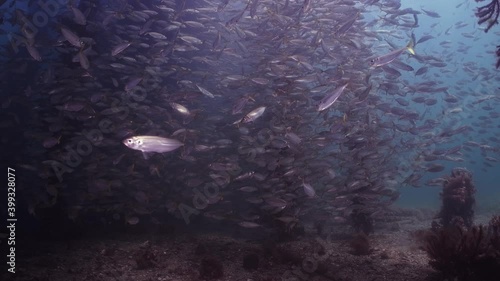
410 47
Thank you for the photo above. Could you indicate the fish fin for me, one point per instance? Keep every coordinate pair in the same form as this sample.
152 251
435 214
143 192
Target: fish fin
238 122
410 46
146 155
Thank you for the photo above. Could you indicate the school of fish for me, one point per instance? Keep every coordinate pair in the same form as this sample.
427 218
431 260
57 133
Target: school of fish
263 113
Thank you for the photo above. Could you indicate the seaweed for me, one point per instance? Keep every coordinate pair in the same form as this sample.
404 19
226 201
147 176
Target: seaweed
498 55
457 248
489 13
465 254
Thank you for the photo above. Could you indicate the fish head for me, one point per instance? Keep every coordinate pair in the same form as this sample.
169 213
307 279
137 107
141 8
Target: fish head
133 143
374 61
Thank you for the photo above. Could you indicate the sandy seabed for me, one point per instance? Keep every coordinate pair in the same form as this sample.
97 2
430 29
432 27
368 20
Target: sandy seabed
165 254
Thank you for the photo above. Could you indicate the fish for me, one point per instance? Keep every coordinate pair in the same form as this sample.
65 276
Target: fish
328 100
222 5
388 58
79 17
72 38
347 25
421 70
205 92
306 7
240 104
249 224
237 17
294 157
248 189
276 202
180 108
424 38
217 40
156 35
152 144
51 142
253 8
132 83
120 48
434 168
252 115
34 52
190 39
308 189
431 14
84 61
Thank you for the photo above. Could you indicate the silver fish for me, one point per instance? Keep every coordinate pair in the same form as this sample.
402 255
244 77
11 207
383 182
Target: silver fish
205 92
79 16
190 39
180 108
156 35
347 25
84 61
152 144
72 37
276 202
327 101
34 52
254 114
388 58
249 224
240 104
306 6
308 189
120 48
132 83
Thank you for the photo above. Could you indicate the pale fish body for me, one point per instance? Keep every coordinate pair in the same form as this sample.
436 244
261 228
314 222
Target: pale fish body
79 17
180 108
328 100
254 114
84 61
120 48
34 52
308 189
205 92
152 144
71 37
388 58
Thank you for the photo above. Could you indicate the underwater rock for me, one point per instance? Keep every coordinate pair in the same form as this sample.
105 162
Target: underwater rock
146 258
211 268
360 244
251 261
458 199
200 249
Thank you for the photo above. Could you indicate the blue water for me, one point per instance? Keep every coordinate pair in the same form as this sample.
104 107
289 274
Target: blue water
480 54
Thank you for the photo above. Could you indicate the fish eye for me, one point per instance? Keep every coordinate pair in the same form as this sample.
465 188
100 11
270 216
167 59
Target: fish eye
129 141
